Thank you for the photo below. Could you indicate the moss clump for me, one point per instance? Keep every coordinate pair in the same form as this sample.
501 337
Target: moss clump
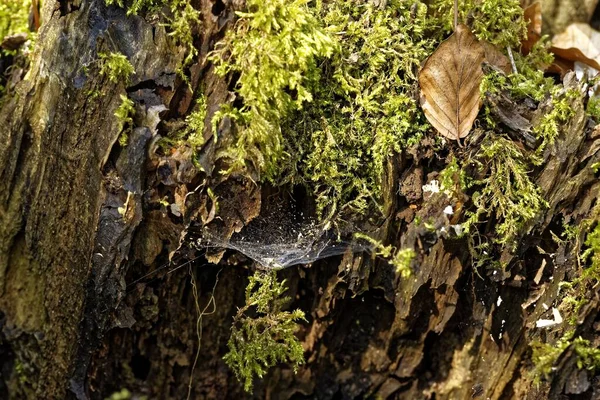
330 111
14 17
499 22
547 130
124 114
506 192
545 355
454 180
364 109
593 251
194 129
575 292
588 355
529 81
274 49
593 108
260 341
116 67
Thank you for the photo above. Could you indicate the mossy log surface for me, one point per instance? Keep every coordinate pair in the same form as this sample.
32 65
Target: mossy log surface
77 233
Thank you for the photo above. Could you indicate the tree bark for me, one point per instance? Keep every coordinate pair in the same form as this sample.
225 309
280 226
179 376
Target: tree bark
81 319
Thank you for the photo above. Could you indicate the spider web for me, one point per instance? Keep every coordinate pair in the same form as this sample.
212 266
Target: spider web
284 236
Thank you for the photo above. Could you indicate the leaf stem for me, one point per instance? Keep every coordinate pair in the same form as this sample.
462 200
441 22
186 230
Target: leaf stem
455 14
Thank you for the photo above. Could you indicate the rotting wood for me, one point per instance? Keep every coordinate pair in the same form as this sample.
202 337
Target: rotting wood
442 332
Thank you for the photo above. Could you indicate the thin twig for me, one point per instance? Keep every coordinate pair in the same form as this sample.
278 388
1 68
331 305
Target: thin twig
199 321
512 60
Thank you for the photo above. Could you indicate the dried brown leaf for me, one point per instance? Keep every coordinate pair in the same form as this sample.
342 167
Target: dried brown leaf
495 57
450 82
579 42
533 17
560 66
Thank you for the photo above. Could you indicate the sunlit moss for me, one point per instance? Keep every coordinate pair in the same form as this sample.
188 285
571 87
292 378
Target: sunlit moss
274 48
453 179
14 17
364 109
506 192
593 108
499 22
529 81
194 129
192 133
330 112
548 128
544 355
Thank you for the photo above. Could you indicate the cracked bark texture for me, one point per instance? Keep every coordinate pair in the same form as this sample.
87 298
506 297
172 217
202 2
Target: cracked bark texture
77 322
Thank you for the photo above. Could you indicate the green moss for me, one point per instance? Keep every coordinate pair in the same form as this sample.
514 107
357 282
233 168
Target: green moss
192 133
454 180
544 356
329 91
22 372
123 394
194 129
116 67
530 81
401 259
364 110
548 128
588 355
593 108
182 22
124 114
506 192
499 22
575 292
14 17
592 255
274 49
263 334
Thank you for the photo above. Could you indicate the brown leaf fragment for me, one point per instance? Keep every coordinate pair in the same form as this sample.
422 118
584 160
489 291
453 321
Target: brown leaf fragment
495 57
579 42
560 66
533 17
13 42
449 83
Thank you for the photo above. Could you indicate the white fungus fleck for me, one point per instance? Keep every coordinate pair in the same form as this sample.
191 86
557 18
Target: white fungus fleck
433 187
547 323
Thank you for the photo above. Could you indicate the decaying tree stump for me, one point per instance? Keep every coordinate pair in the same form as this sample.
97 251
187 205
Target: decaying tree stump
77 237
